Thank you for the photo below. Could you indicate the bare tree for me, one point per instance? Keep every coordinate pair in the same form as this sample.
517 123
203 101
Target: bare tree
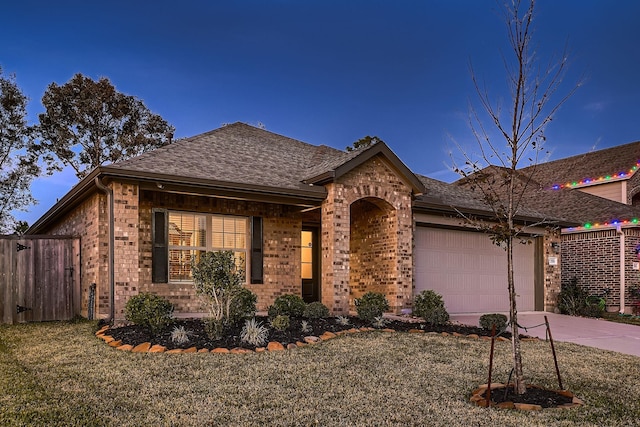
520 129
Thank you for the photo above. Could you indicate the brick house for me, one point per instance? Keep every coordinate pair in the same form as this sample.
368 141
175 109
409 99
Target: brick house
310 220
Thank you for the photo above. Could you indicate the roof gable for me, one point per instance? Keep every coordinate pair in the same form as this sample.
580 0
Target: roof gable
337 166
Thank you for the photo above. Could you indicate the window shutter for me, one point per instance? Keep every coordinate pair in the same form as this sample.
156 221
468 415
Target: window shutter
256 249
160 251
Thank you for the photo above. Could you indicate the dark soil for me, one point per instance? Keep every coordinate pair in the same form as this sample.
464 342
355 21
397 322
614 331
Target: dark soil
534 396
135 335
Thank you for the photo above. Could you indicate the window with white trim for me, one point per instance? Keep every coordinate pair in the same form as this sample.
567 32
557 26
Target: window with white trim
193 234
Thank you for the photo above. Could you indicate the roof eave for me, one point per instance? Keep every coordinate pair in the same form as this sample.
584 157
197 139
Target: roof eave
423 206
171 183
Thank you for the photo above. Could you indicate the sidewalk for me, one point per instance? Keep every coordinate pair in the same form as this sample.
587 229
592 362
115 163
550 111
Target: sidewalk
596 333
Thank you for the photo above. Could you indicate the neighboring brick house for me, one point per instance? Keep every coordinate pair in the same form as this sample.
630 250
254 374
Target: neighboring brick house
600 190
310 220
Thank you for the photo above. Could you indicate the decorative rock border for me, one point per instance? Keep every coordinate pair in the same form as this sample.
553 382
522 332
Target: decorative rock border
479 399
146 347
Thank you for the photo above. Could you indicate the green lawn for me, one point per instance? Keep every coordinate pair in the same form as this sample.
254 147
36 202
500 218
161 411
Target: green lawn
61 374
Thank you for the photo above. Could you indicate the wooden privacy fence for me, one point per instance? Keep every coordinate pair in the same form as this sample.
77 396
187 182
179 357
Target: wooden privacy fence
39 278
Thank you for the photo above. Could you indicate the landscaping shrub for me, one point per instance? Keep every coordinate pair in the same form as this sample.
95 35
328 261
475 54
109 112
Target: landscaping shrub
316 310
379 322
281 322
371 305
634 292
243 306
218 281
572 299
429 305
288 305
149 310
575 301
306 327
343 320
592 310
488 320
179 335
254 333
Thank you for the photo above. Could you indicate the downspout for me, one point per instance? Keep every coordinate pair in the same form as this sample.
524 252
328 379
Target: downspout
622 269
109 192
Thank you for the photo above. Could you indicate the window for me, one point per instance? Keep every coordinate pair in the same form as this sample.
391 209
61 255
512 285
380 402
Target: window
191 235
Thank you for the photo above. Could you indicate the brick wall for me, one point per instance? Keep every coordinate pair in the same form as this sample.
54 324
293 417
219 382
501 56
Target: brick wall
594 258
373 249
126 244
89 221
282 226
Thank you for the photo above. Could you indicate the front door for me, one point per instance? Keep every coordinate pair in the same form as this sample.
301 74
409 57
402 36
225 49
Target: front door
309 264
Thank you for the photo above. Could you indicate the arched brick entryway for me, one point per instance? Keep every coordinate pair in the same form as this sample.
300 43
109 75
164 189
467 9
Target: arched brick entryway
373 248
367 235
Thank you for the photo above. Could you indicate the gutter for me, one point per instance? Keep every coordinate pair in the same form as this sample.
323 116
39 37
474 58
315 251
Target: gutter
109 192
622 269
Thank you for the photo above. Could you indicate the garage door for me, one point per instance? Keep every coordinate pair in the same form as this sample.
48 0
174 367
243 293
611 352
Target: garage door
470 272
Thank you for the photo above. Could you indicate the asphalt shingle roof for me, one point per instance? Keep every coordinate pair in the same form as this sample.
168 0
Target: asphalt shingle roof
592 165
459 196
236 153
566 204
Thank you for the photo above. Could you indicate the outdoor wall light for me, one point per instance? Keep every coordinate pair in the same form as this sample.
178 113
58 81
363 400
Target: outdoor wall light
555 247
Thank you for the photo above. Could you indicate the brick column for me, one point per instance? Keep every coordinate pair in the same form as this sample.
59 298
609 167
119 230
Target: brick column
404 256
126 251
335 250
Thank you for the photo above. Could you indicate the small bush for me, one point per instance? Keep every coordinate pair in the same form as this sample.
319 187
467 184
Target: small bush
316 310
488 320
281 322
149 310
437 316
217 280
430 306
371 305
572 299
179 335
214 327
288 305
254 333
306 327
379 322
243 306
343 320
592 310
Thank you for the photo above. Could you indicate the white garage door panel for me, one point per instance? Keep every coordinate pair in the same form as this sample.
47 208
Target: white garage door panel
470 272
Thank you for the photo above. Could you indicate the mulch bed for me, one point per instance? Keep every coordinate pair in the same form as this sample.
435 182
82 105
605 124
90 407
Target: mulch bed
534 396
135 335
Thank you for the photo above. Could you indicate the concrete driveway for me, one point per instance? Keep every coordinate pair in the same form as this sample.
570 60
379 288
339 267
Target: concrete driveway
579 330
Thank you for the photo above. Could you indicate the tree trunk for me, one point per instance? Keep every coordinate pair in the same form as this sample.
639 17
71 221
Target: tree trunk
519 383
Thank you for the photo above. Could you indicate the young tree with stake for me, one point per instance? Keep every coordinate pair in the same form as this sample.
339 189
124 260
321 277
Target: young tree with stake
521 133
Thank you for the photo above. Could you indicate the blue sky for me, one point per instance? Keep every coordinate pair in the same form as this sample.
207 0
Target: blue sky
327 72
